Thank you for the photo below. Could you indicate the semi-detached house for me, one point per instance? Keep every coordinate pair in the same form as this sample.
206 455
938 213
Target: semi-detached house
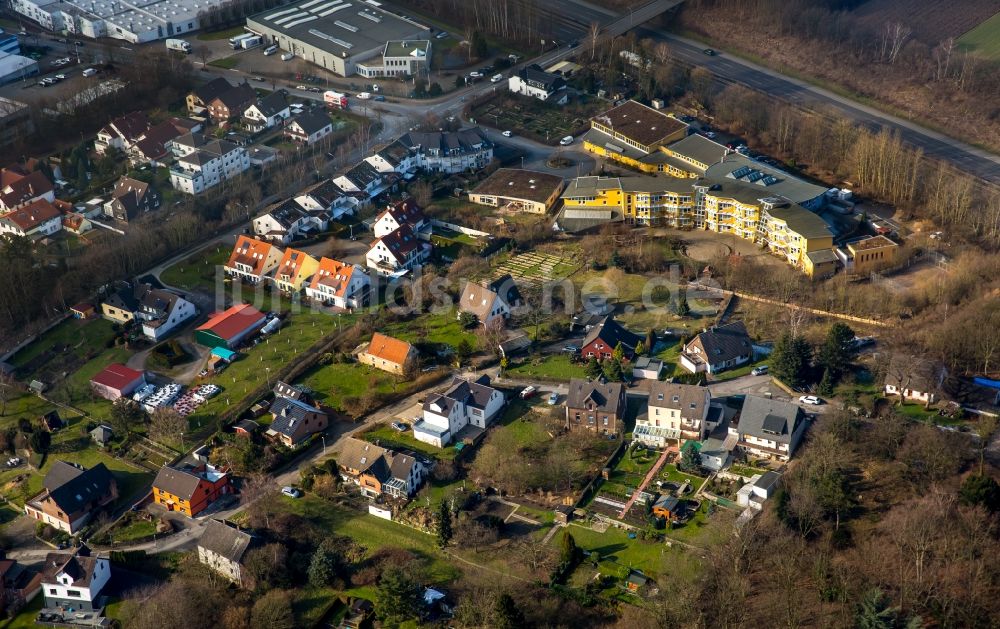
379 471
202 164
465 403
253 260
339 284
35 220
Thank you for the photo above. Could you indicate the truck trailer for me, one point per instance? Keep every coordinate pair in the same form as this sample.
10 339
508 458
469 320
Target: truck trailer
179 45
335 100
251 42
237 42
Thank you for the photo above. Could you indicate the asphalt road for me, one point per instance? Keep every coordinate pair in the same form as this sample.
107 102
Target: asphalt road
968 158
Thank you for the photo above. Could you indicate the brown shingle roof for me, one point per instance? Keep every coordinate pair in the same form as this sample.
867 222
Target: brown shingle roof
637 122
520 184
32 215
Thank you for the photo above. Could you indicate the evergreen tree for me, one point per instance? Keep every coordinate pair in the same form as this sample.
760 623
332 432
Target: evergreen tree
640 348
568 550
681 307
874 612
690 459
463 351
443 524
40 440
324 566
615 260
593 369
506 614
434 90
619 352
399 597
790 360
459 81
613 370
979 489
479 47
826 383
835 354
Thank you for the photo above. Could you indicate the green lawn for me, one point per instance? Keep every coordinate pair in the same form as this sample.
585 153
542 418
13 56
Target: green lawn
226 34
26 618
739 372
132 529
333 382
984 40
198 271
671 473
388 437
919 413
702 529
80 338
621 553
549 367
637 462
375 533
431 327
226 63
745 470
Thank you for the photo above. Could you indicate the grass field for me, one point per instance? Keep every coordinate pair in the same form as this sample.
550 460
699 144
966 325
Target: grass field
549 367
333 382
441 328
621 553
226 63
984 40
198 271
226 34
75 337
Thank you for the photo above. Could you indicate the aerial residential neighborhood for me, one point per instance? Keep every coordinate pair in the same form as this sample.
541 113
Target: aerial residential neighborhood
423 313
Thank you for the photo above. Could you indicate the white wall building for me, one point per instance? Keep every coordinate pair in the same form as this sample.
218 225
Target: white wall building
465 403
74 581
208 165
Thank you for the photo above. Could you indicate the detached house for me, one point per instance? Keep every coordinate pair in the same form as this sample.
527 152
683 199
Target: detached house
379 471
595 406
770 428
200 97
72 583
534 82
603 338
339 284
130 198
189 489
718 348
222 547
677 412
397 252
491 302
268 112
158 311
464 403
20 186
253 260
388 354
294 421
400 213
36 220
914 378
203 164
231 103
122 133
71 494
310 127
288 221
295 268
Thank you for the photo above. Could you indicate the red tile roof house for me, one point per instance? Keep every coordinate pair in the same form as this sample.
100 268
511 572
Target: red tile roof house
19 187
117 380
35 220
252 260
604 337
229 328
397 252
121 133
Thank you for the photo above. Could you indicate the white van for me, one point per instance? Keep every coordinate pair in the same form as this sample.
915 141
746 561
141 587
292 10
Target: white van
566 141
364 96
496 78
287 56
89 72
270 50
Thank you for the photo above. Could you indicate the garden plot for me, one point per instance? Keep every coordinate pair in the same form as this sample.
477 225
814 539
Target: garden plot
534 269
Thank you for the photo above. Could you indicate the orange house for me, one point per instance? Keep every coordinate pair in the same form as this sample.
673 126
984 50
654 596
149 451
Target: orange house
190 490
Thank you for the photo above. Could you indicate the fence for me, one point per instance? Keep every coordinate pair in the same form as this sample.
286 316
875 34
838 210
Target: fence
591 487
475 233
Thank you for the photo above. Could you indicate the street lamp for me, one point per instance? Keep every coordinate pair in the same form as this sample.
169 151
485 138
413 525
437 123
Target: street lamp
323 438
267 371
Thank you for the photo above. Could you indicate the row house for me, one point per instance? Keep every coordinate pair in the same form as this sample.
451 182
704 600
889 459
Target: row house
288 221
253 260
379 471
36 220
339 284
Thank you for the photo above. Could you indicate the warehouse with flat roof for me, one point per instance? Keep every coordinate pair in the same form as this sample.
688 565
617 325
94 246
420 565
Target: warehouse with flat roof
338 35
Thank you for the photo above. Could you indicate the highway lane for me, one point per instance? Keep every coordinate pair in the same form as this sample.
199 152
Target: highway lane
961 155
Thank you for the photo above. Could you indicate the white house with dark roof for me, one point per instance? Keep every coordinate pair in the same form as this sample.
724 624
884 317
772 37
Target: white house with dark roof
158 311
534 82
400 213
309 127
294 421
718 348
490 302
397 252
202 164
377 470
770 428
288 221
74 581
465 403
268 112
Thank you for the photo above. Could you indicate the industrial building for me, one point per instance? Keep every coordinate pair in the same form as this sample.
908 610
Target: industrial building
16 68
346 37
135 21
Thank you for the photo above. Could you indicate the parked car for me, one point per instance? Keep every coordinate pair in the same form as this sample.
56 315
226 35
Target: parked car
507 134
291 492
476 75
566 141
441 35
400 426
528 392
553 398
810 399
710 52
759 370
572 349
496 78
379 99
301 87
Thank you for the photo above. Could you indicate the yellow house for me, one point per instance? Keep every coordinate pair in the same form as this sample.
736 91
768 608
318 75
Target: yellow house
793 232
649 201
294 269
871 254
630 132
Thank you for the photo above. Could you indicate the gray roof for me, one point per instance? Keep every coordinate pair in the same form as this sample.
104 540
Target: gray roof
688 398
645 362
724 342
287 413
78 565
180 483
801 221
612 333
359 455
474 393
400 465
607 397
314 23
913 373
312 121
73 488
469 140
741 168
769 419
768 479
272 103
822 256
698 148
225 539
535 76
